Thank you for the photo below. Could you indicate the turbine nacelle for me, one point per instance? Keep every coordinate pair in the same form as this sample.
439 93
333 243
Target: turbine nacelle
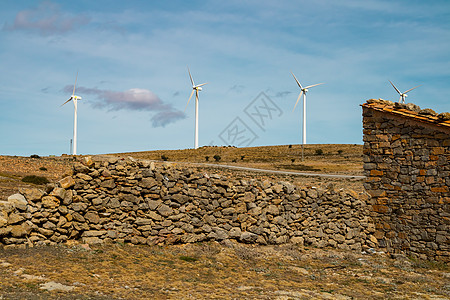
303 90
402 95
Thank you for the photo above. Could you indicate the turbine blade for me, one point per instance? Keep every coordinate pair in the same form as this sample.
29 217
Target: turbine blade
66 101
299 96
310 86
199 85
192 93
190 76
411 89
395 88
76 77
297 81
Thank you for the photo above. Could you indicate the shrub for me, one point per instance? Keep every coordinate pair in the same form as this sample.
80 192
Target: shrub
293 160
234 160
35 179
35 156
217 157
43 168
340 151
319 151
164 158
188 258
290 146
242 157
207 158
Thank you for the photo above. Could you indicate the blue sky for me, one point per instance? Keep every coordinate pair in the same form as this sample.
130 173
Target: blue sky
132 59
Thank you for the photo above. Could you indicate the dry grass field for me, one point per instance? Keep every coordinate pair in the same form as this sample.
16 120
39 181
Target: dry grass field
321 158
212 270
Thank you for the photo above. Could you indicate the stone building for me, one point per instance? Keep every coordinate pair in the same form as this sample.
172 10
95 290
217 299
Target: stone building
407 164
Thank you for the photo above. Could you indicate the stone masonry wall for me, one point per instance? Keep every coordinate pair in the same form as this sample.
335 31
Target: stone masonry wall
138 202
407 164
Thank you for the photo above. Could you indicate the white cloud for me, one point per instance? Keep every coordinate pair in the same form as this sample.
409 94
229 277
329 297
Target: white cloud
47 19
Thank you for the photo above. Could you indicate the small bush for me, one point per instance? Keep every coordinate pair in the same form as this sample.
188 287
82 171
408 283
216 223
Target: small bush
290 146
188 258
234 160
164 158
293 160
207 158
319 152
35 156
43 168
242 157
340 151
35 179
217 157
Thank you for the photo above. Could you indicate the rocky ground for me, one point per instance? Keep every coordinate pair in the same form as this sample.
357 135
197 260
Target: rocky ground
215 271
226 270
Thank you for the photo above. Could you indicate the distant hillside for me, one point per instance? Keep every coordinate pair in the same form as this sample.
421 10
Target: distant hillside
327 158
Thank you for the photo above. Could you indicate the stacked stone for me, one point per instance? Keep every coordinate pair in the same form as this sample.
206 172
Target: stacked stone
407 164
140 203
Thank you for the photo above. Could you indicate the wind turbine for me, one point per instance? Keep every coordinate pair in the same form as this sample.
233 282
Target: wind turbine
196 89
402 95
74 98
303 90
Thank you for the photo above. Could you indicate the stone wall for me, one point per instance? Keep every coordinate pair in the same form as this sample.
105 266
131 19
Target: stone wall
138 202
407 164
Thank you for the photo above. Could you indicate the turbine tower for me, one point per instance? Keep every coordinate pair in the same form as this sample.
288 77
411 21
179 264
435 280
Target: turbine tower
75 99
303 90
196 89
402 95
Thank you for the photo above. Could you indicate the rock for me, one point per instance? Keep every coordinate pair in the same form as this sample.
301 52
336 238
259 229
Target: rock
18 231
32 194
67 182
92 217
248 197
427 112
50 202
3 221
141 221
84 177
54 286
109 184
248 237
148 182
273 210
58 193
6 207
4 231
298 240
18 201
277 188
179 198
15 218
165 210
87 161
79 206
235 233
154 216
91 233
445 116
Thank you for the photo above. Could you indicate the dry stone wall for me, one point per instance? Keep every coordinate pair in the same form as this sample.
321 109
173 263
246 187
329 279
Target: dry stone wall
407 164
138 202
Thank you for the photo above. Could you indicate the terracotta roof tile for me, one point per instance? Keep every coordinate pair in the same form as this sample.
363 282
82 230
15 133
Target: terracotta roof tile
382 105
